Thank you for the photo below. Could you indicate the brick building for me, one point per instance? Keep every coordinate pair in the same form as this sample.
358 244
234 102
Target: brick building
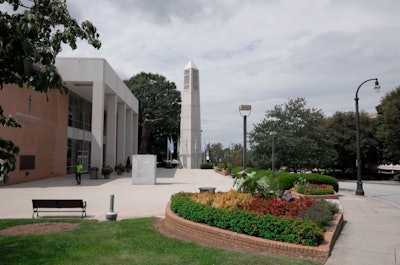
96 123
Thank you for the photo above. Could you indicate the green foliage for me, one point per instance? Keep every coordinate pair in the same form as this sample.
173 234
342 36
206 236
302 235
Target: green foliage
389 131
31 37
310 190
8 150
396 177
126 242
119 167
299 143
216 152
321 213
286 181
107 170
206 166
266 226
235 169
304 187
253 183
340 133
159 98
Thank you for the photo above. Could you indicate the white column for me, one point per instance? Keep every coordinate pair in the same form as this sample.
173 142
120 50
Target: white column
135 133
121 133
111 133
129 132
97 124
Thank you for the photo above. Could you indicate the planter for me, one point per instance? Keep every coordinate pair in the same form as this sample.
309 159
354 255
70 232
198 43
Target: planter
245 243
107 176
225 172
215 169
334 196
119 172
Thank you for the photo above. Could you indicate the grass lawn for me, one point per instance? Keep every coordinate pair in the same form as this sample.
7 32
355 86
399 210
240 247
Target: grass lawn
131 241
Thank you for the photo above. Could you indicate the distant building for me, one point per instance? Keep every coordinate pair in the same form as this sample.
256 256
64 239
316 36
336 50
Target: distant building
190 138
389 169
96 123
373 115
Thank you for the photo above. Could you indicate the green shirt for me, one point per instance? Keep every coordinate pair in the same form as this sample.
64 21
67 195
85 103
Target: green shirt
79 168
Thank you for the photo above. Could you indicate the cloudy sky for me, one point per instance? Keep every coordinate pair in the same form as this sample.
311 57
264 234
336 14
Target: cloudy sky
257 52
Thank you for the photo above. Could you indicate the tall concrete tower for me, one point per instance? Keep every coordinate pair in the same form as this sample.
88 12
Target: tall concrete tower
190 139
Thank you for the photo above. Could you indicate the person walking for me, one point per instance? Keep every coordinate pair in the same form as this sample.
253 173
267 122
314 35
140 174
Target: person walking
78 175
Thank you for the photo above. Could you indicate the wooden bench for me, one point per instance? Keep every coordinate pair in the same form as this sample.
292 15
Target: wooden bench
59 204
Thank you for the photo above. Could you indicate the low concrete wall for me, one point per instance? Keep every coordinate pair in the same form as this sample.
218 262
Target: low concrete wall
243 242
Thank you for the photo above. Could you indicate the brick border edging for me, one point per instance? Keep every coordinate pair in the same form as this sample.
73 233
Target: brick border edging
321 253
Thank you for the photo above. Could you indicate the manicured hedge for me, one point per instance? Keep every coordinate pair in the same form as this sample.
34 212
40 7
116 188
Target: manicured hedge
206 166
281 229
286 181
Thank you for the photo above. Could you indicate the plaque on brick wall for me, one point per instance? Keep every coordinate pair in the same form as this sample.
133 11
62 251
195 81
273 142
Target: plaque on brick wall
27 162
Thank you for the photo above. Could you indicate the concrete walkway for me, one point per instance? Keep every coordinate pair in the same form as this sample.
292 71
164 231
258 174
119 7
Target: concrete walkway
129 200
371 234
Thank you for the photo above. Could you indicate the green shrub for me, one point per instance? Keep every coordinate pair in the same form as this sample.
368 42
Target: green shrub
282 229
320 213
235 169
206 166
396 177
285 181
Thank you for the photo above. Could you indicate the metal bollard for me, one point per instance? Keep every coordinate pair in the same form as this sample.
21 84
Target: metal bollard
111 215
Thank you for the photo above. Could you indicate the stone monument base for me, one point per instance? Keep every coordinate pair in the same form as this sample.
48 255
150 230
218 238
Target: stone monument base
144 169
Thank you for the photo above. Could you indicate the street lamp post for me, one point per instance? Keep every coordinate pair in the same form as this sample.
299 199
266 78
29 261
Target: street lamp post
273 134
244 111
360 190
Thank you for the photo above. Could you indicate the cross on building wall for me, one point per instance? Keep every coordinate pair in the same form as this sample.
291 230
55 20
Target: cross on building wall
30 103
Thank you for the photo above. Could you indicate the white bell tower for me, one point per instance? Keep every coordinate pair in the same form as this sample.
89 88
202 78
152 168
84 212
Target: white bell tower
190 137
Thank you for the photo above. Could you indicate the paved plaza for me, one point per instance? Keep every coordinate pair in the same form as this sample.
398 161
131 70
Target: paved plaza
129 200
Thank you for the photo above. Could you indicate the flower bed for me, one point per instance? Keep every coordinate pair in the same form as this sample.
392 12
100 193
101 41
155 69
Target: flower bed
276 228
333 196
241 242
314 189
302 188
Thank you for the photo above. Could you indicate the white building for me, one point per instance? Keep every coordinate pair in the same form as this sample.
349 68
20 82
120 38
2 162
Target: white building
114 110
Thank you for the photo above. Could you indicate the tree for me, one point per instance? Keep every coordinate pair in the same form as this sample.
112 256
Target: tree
340 133
32 33
236 152
389 131
216 150
158 98
299 142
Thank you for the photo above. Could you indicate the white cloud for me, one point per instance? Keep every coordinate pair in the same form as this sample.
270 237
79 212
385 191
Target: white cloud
252 52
